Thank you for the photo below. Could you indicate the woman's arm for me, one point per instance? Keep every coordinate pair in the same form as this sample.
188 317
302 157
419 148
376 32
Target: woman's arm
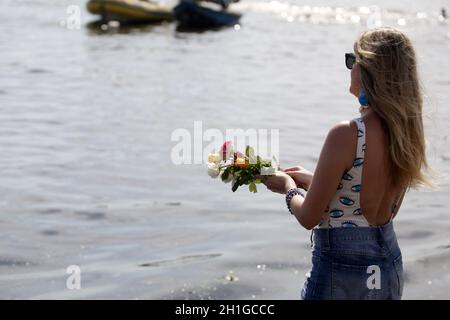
301 176
335 155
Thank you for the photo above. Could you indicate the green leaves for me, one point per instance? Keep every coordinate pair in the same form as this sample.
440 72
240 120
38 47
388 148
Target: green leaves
250 154
236 185
246 176
226 173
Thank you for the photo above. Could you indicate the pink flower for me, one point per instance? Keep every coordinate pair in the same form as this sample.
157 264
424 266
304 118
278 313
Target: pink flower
226 150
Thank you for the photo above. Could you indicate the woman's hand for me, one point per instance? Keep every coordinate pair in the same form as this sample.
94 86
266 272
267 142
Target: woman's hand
279 182
301 176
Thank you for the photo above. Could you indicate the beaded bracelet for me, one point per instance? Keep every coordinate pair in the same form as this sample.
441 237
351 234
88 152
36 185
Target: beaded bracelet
290 194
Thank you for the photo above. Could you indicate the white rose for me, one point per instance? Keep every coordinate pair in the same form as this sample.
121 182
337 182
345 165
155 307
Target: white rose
214 157
213 170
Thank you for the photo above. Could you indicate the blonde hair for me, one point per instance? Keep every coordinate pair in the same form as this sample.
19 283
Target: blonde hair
390 79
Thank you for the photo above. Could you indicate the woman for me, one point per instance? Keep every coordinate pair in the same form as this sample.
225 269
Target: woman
350 209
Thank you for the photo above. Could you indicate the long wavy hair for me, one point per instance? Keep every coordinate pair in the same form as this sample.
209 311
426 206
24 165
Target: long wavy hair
390 79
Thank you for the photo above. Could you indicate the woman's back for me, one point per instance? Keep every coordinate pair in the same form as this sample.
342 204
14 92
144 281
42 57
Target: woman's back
378 198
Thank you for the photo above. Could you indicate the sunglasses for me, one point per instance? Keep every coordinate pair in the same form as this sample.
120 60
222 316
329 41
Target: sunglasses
350 59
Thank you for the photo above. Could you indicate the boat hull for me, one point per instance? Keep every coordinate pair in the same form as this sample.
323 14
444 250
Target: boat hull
191 15
130 10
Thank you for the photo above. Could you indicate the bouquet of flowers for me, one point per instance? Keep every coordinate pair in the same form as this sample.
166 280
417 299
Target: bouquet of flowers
237 167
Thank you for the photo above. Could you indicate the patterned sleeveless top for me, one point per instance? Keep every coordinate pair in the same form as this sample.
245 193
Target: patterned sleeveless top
344 209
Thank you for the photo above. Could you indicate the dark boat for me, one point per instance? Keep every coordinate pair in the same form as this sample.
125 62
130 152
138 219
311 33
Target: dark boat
191 15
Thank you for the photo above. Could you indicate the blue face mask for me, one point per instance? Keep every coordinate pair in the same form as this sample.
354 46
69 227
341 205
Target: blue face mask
363 98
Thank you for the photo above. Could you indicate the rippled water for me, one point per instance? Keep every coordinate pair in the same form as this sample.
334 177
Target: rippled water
85 126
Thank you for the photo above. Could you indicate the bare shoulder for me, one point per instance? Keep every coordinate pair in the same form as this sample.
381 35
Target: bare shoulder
342 140
342 132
